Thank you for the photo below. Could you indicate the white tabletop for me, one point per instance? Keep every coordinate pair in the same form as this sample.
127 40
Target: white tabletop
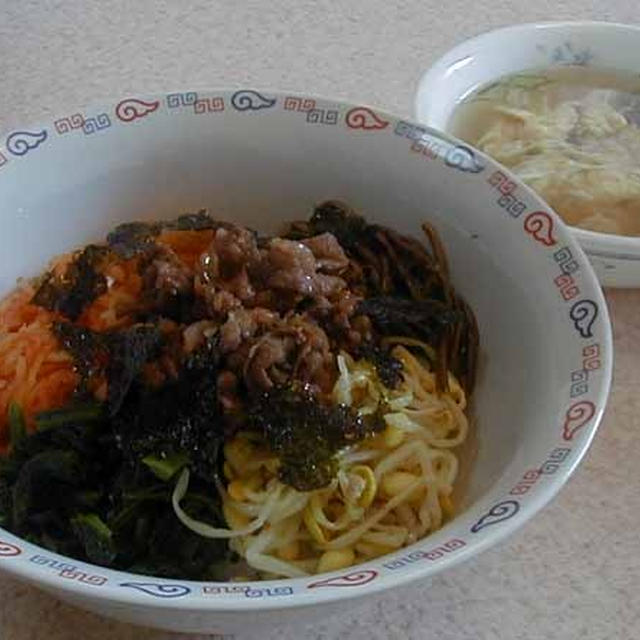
574 571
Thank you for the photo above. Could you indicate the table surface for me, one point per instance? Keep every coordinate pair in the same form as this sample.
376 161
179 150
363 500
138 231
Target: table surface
574 571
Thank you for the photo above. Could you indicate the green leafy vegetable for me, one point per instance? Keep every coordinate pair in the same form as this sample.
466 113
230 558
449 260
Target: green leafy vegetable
179 417
44 483
95 536
17 425
74 414
166 466
91 484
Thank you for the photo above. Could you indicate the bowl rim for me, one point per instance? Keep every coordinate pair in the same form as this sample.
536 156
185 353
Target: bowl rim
595 243
37 575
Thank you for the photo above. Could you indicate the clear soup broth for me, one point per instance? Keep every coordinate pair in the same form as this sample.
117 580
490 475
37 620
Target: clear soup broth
571 133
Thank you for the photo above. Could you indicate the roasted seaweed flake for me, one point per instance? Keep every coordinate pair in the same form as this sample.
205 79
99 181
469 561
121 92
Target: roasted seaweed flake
80 284
306 434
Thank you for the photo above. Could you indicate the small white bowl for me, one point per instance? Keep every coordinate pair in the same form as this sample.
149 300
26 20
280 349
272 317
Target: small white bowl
616 259
261 158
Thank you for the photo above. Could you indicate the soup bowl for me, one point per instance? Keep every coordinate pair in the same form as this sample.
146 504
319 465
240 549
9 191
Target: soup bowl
260 158
518 48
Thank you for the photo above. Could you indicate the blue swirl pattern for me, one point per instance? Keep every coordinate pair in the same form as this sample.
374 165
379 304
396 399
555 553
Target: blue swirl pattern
159 590
463 158
21 142
498 513
249 100
584 314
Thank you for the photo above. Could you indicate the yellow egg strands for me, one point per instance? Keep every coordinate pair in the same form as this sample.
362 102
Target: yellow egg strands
390 489
570 133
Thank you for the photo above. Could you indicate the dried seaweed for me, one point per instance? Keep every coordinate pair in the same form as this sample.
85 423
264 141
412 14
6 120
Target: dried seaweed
180 416
129 350
336 218
82 484
79 285
132 238
306 433
117 355
388 368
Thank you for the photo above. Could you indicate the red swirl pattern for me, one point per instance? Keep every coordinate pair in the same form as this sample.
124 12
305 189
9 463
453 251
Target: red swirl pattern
363 118
353 579
132 109
7 549
540 225
577 416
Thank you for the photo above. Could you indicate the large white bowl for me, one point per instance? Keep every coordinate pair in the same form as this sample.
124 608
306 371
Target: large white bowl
261 158
616 259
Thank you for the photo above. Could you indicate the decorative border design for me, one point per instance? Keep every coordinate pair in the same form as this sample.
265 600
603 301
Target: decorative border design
65 125
432 554
463 158
159 589
322 116
68 570
176 100
500 512
96 123
8 550
539 224
208 105
132 109
19 143
364 118
556 458
566 53
294 103
583 314
353 579
250 100
249 591
578 415
507 198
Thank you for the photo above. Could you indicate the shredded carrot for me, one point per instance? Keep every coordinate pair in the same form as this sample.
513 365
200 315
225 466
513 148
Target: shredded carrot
115 308
35 371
